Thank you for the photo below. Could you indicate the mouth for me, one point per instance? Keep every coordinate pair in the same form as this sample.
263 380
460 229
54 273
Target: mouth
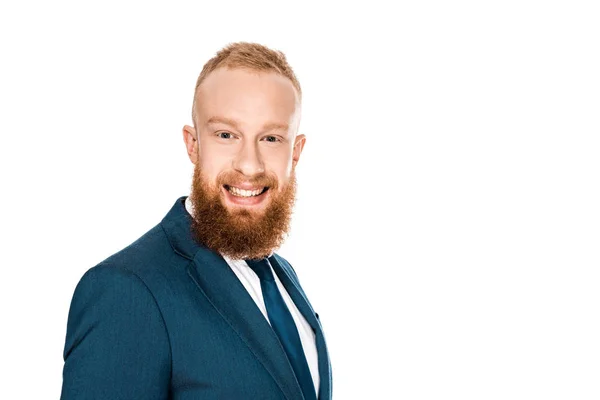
245 197
238 192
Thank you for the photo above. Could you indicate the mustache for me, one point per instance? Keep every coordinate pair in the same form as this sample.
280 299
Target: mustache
233 179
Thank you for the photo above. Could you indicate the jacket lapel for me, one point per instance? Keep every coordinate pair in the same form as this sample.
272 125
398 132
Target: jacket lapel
291 284
218 283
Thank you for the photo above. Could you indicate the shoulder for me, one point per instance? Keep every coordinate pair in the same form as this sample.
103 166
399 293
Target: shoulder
123 288
149 258
107 276
146 252
107 290
138 270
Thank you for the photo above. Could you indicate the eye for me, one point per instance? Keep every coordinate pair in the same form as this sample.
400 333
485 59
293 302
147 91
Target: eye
224 135
272 139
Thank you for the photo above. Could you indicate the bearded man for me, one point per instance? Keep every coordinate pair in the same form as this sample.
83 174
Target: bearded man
201 306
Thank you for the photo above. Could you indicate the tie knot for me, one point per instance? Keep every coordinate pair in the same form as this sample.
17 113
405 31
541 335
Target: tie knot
262 268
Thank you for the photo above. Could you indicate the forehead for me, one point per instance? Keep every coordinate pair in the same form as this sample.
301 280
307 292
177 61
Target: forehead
246 95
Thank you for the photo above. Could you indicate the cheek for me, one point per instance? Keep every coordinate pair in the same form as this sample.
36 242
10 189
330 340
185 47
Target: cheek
212 163
283 176
280 163
209 177
283 170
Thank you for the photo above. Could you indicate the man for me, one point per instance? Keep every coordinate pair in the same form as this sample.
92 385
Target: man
200 307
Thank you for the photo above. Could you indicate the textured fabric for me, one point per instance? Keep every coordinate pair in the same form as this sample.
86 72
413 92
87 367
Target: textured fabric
166 318
284 326
251 283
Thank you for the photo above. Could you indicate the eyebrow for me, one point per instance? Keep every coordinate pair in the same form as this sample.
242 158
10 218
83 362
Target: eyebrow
228 121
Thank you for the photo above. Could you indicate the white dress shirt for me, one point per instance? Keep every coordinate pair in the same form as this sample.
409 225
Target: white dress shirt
251 282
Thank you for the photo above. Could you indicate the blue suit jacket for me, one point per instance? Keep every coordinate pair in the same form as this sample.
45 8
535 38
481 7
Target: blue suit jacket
167 318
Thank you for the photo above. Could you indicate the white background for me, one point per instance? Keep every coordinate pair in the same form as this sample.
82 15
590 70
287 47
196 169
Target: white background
447 227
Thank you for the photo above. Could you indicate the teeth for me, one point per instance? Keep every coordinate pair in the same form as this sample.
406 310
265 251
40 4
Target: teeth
244 193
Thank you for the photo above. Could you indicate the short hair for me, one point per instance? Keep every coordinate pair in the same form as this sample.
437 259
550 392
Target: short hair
251 56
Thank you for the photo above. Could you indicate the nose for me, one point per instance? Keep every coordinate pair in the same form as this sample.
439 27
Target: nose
248 161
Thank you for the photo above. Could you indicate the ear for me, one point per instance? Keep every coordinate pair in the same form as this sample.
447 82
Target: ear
298 146
191 143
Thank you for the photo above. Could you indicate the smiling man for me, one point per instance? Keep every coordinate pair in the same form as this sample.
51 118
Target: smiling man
201 306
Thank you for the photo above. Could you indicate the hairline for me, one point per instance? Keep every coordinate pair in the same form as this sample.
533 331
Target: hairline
297 91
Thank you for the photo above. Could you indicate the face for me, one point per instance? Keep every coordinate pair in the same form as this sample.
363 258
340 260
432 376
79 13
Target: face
245 148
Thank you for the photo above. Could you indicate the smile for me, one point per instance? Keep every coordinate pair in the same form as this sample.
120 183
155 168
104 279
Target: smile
245 193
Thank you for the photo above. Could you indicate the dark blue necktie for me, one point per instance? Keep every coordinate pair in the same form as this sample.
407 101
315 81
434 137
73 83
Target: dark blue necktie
284 326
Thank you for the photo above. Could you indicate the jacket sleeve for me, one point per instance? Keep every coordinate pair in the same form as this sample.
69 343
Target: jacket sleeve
117 345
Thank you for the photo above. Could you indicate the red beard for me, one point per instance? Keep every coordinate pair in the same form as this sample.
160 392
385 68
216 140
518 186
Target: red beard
241 233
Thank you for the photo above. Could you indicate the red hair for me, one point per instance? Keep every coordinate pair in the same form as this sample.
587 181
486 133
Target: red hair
252 56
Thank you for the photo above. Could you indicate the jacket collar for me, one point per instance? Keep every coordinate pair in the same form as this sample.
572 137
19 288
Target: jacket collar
177 226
